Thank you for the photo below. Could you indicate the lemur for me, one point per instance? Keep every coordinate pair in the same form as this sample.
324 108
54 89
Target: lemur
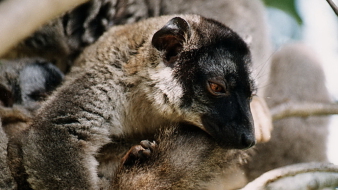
134 80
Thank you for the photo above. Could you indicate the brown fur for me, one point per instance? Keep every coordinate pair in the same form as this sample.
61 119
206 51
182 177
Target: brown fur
185 158
201 164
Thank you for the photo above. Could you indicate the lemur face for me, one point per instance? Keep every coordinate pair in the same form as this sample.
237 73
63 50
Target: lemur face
208 77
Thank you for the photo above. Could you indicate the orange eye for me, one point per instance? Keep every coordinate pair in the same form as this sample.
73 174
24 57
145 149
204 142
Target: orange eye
216 88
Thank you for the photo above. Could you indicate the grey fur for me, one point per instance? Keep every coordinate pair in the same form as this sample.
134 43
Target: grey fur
6 180
296 76
124 89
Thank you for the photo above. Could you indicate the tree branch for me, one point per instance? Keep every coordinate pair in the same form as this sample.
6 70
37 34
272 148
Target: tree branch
303 110
333 6
298 176
20 18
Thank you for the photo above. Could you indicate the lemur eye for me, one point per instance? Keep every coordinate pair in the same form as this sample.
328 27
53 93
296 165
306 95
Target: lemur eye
216 89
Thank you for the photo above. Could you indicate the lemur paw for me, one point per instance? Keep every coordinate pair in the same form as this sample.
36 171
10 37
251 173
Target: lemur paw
139 153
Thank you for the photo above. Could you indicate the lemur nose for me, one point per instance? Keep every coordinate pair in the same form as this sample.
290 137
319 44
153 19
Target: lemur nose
247 141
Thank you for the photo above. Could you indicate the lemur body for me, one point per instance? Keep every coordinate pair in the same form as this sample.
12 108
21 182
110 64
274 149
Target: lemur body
186 69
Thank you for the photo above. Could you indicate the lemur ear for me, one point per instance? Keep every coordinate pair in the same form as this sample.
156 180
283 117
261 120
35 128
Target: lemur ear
170 38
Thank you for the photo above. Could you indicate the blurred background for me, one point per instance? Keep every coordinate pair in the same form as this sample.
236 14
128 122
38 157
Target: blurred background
314 23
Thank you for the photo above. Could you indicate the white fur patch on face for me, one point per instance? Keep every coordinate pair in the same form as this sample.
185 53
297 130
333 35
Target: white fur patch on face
167 90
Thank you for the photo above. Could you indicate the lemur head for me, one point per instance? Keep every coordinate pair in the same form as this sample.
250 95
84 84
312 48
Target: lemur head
205 77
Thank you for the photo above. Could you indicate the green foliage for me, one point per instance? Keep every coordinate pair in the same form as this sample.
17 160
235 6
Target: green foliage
286 5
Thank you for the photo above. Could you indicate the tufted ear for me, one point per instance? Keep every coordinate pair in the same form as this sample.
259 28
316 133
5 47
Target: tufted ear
170 38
